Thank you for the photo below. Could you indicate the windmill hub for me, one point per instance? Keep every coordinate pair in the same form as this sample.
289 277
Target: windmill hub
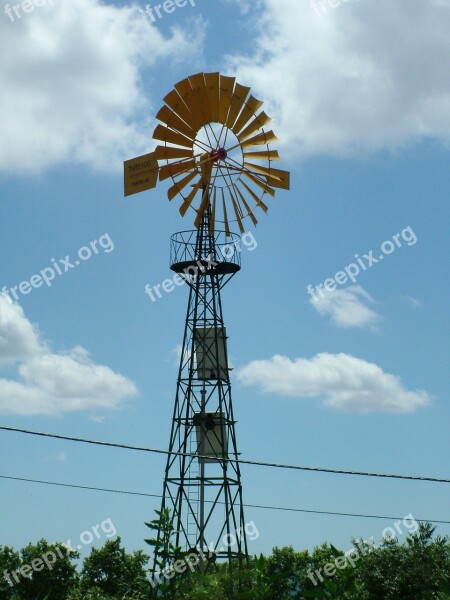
219 154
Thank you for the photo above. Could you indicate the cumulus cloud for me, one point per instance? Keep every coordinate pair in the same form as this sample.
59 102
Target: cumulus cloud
72 80
19 339
343 381
346 307
364 76
50 383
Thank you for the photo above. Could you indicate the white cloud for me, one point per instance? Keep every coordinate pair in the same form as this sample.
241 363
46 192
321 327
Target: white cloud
18 337
97 418
49 383
367 75
175 355
414 302
346 307
71 80
344 381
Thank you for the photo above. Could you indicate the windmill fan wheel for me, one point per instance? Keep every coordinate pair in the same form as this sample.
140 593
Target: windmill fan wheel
217 150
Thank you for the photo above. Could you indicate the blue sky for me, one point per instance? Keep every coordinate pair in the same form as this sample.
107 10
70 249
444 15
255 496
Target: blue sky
356 380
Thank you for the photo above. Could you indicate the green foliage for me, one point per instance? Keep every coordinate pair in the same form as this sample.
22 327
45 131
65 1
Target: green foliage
257 583
341 586
165 551
49 572
165 556
114 573
9 562
418 569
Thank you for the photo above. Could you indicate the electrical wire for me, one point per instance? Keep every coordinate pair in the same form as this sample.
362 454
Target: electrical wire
259 506
240 461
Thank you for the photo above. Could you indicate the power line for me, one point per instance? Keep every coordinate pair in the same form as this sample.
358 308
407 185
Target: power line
81 487
241 461
259 506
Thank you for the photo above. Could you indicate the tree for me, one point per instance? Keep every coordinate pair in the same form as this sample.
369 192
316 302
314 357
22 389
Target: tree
417 570
46 570
339 586
285 570
111 571
9 563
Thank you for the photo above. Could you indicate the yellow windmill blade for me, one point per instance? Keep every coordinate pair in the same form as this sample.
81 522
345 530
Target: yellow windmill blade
238 98
262 139
213 212
225 216
177 188
165 134
267 171
176 168
254 178
279 179
258 200
263 155
255 197
274 177
162 152
226 93
202 208
258 122
250 213
213 136
173 121
186 204
248 112
198 85
237 212
197 116
212 83
176 104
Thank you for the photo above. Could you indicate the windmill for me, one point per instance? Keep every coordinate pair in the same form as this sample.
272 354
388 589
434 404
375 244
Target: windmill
216 150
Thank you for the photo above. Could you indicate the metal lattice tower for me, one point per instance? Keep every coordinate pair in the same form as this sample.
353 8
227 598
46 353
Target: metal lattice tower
203 491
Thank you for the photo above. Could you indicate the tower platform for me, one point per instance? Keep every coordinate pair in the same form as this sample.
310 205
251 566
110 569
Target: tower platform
225 260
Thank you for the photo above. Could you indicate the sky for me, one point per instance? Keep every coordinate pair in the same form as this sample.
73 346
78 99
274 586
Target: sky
351 378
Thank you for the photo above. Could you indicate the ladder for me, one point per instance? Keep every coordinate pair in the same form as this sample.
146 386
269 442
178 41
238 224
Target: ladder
193 493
